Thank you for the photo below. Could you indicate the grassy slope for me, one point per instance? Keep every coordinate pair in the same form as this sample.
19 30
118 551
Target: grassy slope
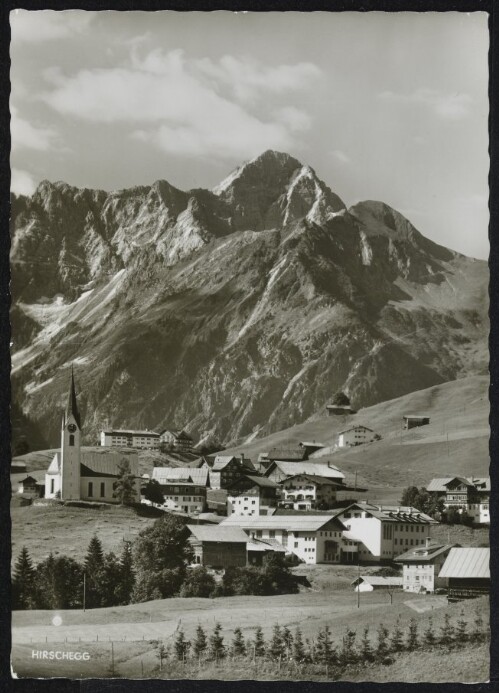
459 409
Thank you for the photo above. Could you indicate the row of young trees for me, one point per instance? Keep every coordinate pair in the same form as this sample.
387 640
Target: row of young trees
285 646
154 567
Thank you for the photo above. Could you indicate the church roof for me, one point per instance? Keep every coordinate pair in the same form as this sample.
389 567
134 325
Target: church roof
98 463
72 406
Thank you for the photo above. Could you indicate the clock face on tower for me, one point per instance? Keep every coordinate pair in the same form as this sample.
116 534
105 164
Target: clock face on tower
71 428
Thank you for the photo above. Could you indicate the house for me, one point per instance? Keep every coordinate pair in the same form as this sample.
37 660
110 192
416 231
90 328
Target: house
340 410
468 495
383 531
125 438
415 420
278 471
312 448
296 453
357 435
216 546
30 486
371 583
310 491
180 441
315 538
183 494
226 469
165 475
467 572
74 474
421 566
251 495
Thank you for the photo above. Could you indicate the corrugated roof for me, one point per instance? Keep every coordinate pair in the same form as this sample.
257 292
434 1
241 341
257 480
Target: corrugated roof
307 522
314 468
466 563
219 533
165 475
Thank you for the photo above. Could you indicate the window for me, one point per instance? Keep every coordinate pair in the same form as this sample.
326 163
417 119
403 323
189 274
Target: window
90 489
52 485
258 532
296 544
272 533
71 440
102 489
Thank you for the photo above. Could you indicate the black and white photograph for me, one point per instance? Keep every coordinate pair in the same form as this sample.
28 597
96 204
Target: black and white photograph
250 346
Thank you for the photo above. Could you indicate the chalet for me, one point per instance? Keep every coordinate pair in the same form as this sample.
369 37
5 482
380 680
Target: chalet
125 438
415 420
184 495
467 572
357 435
422 565
340 410
278 471
466 495
226 469
383 531
180 441
288 454
371 583
75 474
251 495
31 486
309 491
315 538
166 475
217 546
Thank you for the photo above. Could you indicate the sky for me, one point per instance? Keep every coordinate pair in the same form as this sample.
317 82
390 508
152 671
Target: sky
384 106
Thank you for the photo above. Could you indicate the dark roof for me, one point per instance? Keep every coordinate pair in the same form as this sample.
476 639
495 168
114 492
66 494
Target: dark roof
317 479
288 454
72 406
353 428
248 480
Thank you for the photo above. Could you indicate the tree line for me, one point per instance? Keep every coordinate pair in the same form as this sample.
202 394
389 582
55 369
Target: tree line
154 566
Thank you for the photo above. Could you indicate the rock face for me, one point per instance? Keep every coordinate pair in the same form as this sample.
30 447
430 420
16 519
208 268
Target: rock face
233 312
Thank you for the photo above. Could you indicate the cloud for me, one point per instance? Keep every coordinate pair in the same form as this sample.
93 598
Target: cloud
35 26
24 135
21 182
340 156
445 105
171 102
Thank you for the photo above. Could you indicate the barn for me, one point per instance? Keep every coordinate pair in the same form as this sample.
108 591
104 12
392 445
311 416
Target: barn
467 572
218 547
370 583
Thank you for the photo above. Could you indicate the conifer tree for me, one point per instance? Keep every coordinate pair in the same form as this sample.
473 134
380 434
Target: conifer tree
429 634
287 639
412 635
396 641
348 653
382 645
275 647
124 486
461 630
478 633
94 567
181 646
24 582
238 648
217 648
127 575
447 631
299 654
259 643
200 643
366 648
324 650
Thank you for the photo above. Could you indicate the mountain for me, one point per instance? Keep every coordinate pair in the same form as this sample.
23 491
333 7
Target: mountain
232 312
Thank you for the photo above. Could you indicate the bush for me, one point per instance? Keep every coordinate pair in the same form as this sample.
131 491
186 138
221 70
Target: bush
198 583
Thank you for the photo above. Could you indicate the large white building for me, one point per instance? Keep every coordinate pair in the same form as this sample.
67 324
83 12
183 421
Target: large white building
74 474
124 438
421 566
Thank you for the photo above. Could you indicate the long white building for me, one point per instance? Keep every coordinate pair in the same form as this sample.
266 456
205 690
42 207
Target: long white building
124 438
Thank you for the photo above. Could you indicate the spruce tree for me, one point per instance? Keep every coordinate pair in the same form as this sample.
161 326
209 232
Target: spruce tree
259 643
324 651
366 648
348 653
181 646
396 641
24 582
287 639
217 648
124 486
200 643
447 631
429 634
238 648
382 645
412 635
275 646
127 575
94 566
299 654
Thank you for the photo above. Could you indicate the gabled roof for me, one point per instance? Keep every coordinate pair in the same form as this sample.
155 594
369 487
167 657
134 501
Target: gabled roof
424 554
106 464
178 435
379 580
221 461
466 563
416 416
288 454
356 428
392 513
27 479
314 478
441 483
260 481
218 533
306 522
306 467
167 475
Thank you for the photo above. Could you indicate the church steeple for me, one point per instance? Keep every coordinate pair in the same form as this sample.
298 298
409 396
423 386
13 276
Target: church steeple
72 406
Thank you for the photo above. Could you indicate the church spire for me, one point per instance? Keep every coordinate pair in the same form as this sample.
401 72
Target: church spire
72 407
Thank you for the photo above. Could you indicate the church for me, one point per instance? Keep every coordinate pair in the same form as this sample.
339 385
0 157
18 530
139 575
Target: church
75 474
